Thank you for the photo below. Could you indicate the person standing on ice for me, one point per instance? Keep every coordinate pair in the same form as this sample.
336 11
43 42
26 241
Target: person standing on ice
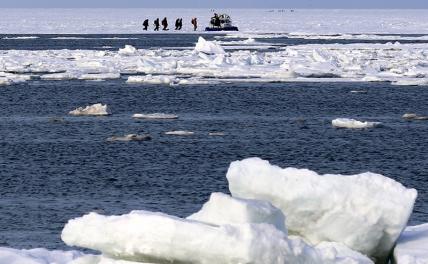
145 24
156 23
180 24
165 24
177 24
195 23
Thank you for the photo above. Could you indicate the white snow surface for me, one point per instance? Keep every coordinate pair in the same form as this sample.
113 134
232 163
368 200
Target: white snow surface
155 237
223 209
301 21
366 212
208 47
352 123
412 247
37 256
91 110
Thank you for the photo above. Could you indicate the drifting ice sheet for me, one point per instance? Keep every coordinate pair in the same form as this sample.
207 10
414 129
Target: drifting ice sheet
36 256
366 212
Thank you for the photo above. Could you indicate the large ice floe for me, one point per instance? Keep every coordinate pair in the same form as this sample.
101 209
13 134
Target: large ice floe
365 212
37 256
208 62
412 247
91 110
274 216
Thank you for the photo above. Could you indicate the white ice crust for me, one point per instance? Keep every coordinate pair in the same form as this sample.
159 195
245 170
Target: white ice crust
223 209
37 256
352 123
412 247
366 212
159 238
208 47
91 110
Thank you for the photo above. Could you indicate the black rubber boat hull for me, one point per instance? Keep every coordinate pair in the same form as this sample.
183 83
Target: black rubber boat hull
222 29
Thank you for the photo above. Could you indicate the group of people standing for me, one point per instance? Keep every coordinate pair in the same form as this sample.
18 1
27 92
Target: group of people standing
178 24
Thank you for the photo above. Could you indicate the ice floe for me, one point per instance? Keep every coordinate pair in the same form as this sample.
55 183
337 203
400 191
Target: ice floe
208 47
91 110
150 79
366 212
130 137
180 133
239 211
128 50
37 256
412 247
352 123
412 116
155 116
160 238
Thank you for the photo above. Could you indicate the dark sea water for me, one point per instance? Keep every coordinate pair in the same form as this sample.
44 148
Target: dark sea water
51 171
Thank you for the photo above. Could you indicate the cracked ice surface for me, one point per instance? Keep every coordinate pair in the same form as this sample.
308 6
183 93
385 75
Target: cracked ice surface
394 62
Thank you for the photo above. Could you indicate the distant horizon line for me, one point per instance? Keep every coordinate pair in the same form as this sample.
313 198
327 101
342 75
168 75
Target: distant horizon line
262 8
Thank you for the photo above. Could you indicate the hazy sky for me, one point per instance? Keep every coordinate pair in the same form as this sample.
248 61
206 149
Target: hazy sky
221 3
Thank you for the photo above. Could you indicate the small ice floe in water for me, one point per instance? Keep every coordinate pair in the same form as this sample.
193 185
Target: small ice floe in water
150 79
208 47
412 116
180 133
155 116
352 123
412 246
411 82
128 50
91 110
99 76
216 134
130 137
359 91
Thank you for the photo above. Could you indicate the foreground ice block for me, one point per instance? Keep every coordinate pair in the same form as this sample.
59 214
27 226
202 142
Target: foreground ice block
412 247
223 209
36 256
153 237
366 212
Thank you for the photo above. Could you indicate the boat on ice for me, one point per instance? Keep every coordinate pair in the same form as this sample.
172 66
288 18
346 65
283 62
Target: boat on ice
221 22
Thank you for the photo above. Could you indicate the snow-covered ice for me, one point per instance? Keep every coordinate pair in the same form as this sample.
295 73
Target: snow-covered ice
413 116
412 247
128 50
150 79
37 256
208 47
352 123
239 211
155 116
156 237
91 110
366 212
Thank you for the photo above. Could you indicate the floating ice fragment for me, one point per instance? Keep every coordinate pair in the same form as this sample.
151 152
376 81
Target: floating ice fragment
412 246
180 133
149 79
130 137
208 47
352 123
412 116
155 116
411 82
92 110
99 76
128 50
365 212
